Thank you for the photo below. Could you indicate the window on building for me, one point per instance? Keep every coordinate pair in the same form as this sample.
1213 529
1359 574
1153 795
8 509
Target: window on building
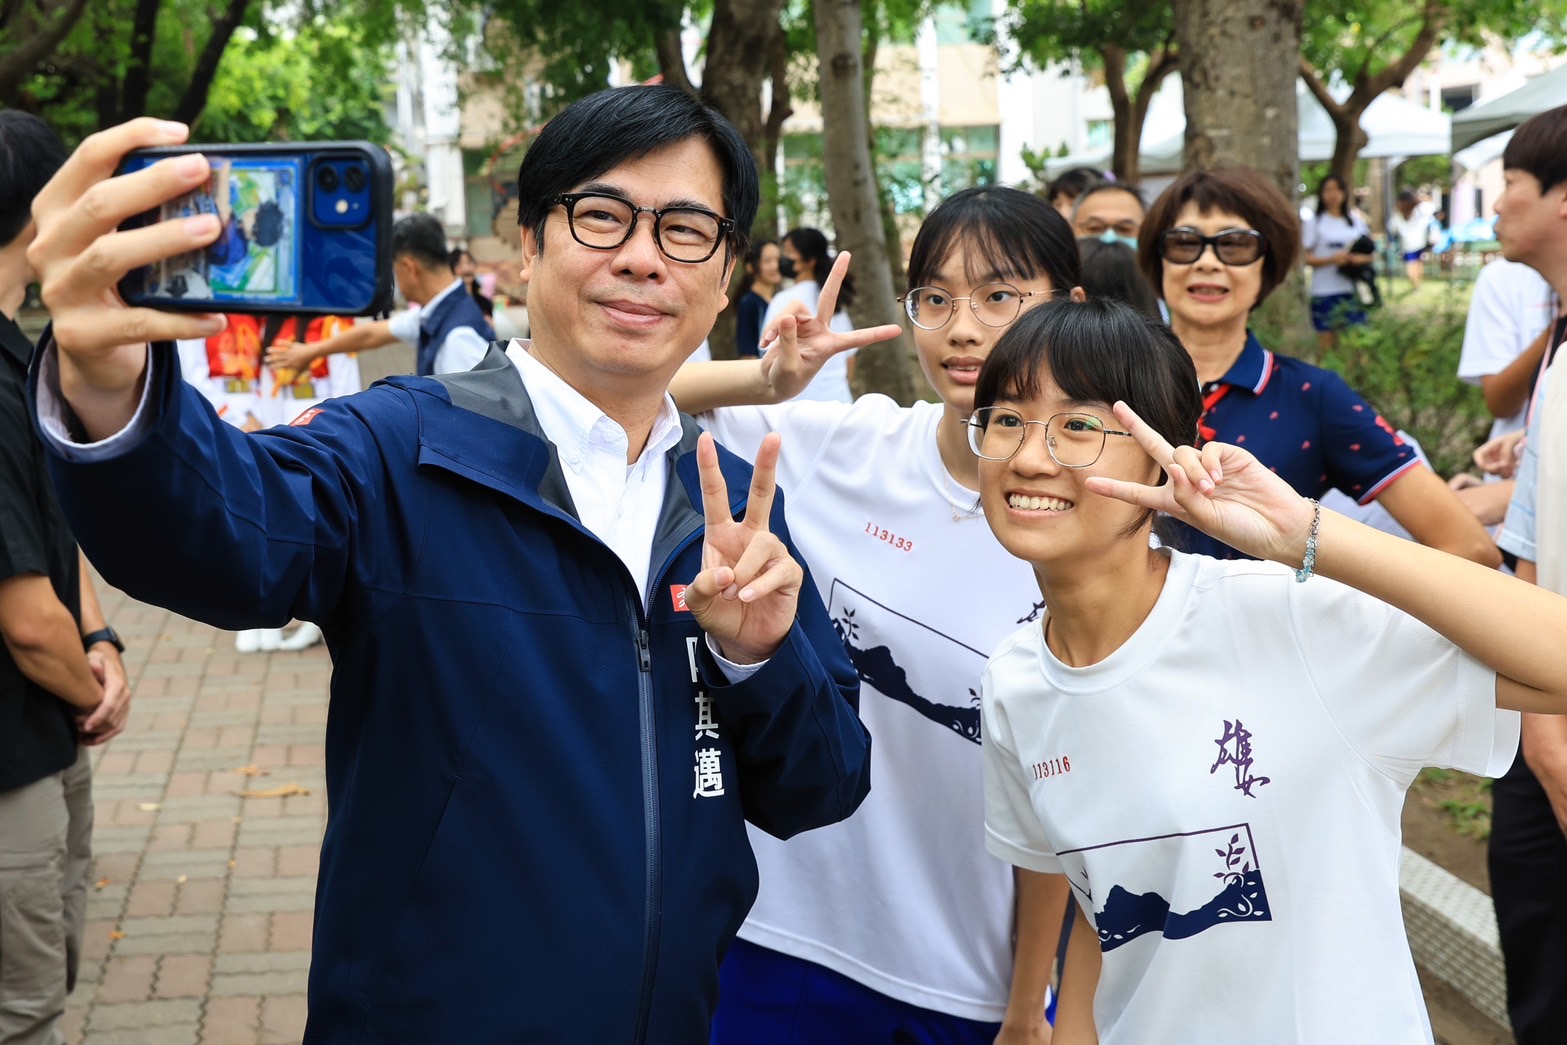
900 167
968 157
1457 99
1100 134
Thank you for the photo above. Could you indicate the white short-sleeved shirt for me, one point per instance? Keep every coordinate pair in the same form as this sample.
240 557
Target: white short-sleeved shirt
463 347
902 897
832 381
1223 792
1518 528
1512 303
1326 235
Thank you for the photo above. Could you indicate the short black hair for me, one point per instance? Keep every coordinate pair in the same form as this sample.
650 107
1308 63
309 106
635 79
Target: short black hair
30 153
1009 233
1241 191
604 130
1539 147
1098 351
1072 183
1110 271
811 245
421 237
1109 186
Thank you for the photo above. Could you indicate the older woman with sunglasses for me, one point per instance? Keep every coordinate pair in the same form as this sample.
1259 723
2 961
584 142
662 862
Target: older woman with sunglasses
1215 244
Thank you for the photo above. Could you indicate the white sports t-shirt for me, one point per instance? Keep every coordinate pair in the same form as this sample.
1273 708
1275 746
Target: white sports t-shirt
832 380
1512 303
901 897
1223 792
1325 235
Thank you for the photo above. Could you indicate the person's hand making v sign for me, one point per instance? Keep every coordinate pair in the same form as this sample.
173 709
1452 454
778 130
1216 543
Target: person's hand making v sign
746 596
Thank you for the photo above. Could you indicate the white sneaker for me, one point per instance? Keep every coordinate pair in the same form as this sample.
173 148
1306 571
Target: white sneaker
305 636
248 641
271 639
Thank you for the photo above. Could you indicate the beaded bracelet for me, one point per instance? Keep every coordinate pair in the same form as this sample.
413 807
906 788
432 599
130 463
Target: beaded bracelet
1304 573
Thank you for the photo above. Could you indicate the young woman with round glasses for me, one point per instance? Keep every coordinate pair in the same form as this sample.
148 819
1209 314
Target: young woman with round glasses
1216 244
897 925
1213 753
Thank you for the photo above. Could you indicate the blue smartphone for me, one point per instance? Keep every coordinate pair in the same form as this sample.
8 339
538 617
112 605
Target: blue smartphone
306 231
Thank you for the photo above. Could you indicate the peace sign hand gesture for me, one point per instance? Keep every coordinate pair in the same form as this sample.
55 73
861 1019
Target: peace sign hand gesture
801 343
749 588
1222 490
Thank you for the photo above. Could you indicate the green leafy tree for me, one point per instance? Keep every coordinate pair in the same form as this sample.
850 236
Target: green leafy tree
124 58
1373 46
324 82
1131 42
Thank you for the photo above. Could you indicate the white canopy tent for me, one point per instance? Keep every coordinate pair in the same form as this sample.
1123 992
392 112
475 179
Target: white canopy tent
1394 125
1503 113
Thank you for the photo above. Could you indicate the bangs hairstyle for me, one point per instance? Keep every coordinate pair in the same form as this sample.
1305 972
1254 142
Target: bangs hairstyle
1008 234
1539 147
1098 351
600 132
1241 191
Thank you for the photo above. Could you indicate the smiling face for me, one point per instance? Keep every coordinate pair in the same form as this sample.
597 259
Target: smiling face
1041 511
1207 293
951 356
617 323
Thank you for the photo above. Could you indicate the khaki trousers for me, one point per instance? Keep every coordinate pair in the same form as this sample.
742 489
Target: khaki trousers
45 859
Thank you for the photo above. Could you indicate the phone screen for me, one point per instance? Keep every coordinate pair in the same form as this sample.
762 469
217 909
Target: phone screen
256 258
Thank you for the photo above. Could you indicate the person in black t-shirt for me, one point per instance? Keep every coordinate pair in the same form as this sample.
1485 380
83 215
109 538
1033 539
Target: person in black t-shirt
62 685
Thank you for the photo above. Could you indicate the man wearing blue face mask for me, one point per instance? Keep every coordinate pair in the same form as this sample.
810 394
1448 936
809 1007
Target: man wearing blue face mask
1109 211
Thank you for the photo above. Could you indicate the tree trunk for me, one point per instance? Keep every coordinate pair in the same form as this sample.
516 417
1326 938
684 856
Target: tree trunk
138 69
1349 138
853 198
37 42
195 97
772 132
671 59
739 34
1238 65
1127 140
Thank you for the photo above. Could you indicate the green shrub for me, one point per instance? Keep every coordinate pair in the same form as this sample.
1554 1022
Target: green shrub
1405 363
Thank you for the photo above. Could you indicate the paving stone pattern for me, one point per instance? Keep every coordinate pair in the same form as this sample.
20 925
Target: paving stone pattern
199 914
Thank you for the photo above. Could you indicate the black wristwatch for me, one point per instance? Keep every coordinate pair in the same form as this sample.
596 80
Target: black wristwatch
104 634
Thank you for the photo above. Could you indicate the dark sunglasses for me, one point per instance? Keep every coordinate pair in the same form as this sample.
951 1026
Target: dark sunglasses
1185 245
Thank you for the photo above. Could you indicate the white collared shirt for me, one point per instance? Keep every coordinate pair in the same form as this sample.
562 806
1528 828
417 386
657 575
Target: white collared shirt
460 351
619 502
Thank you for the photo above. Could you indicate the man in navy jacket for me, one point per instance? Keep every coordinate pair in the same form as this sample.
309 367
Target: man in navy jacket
569 662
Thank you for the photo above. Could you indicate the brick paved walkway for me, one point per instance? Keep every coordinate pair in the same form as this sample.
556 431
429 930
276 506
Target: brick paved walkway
199 917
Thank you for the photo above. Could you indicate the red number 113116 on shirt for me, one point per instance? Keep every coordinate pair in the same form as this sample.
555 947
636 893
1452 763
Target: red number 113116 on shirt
1051 767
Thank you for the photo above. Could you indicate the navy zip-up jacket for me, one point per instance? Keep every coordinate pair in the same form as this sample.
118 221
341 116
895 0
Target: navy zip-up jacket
516 849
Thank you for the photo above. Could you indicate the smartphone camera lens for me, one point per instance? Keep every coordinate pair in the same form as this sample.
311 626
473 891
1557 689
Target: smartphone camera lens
354 178
326 179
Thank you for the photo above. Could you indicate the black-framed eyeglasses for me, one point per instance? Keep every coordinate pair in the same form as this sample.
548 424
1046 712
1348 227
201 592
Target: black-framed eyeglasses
994 304
1074 440
1184 245
603 222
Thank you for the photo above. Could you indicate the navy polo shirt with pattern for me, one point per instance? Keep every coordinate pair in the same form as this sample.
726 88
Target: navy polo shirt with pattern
1306 425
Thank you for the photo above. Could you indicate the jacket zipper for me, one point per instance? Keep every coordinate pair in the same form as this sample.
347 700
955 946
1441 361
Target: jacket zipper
652 825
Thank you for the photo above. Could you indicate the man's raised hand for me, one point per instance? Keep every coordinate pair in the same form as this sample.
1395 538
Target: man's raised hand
800 342
748 592
79 255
